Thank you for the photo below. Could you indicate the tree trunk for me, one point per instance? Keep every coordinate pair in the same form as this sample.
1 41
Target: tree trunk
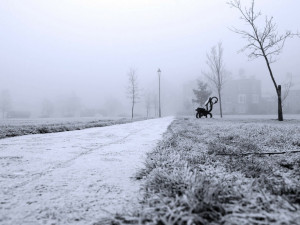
132 110
280 116
220 103
278 88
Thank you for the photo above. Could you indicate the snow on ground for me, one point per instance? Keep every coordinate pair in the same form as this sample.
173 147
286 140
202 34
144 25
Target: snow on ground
74 177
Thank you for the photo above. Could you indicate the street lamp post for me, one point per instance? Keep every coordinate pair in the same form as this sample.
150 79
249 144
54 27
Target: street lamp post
159 108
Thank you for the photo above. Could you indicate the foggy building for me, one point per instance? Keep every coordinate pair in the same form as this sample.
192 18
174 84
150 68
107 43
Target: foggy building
291 103
242 96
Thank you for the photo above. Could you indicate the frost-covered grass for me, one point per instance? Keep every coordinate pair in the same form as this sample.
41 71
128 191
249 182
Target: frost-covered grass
193 178
19 127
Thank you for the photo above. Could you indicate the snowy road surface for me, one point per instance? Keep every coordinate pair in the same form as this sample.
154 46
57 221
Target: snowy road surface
75 177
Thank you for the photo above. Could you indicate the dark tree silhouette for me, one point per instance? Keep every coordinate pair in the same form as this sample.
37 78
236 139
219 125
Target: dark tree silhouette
202 93
216 73
262 41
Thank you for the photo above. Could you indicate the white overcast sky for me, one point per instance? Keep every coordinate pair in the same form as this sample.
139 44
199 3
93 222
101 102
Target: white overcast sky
52 47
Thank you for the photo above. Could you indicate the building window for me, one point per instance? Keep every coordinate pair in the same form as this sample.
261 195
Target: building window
242 99
255 99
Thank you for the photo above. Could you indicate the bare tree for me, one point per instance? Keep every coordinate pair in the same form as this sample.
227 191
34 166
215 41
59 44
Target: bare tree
286 87
133 91
5 102
262 42
216 73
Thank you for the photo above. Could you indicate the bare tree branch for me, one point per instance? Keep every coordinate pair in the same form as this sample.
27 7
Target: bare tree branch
286 87
216 73
133 91
265 42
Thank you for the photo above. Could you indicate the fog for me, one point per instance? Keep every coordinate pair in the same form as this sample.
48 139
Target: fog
57 50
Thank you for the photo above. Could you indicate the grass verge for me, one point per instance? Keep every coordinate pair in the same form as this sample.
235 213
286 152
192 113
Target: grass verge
42 127
187 181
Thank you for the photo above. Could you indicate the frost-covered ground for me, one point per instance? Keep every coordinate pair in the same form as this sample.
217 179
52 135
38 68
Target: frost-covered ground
74 177
261 117
216 171
19 127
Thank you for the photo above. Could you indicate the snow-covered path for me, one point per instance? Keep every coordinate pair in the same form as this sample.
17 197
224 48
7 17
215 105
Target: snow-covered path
75 177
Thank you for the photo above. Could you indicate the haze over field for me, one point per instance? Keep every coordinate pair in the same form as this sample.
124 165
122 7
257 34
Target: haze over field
148 112
61 48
